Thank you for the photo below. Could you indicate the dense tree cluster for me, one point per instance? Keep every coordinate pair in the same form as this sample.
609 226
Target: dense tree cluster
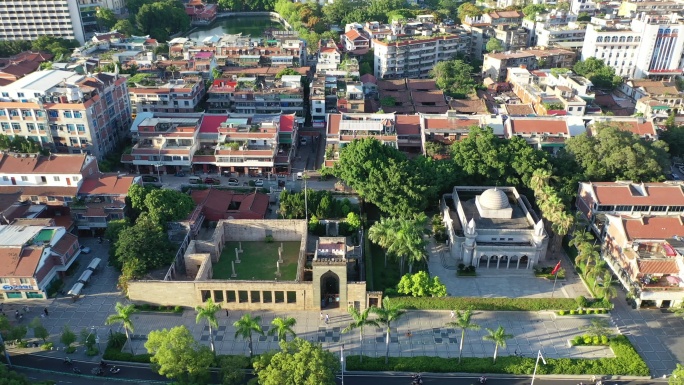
57 46
177 355
601 75
455 77
243 5
298 362
402 238
21 144
319 203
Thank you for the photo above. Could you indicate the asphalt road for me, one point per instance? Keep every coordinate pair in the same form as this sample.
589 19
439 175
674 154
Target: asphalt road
56 370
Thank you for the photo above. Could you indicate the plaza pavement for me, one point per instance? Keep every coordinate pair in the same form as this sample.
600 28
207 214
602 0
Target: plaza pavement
655 334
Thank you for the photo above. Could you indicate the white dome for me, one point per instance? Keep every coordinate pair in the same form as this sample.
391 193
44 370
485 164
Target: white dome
494 199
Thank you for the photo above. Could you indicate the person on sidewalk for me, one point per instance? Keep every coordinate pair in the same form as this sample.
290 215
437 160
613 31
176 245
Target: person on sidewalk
327 319
452 314
46 312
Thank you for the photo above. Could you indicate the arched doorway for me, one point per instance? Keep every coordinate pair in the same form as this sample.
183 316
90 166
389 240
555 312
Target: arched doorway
492 260
514 260
503 260
523 261
330 290
483 261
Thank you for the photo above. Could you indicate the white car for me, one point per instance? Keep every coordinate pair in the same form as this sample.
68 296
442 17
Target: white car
259 183
233 182
85 249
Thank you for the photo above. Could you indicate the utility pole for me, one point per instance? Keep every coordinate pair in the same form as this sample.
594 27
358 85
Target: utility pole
306 201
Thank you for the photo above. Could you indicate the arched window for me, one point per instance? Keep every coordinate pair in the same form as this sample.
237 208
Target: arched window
599 39
614 39
622 39
637 39
630 39
675 31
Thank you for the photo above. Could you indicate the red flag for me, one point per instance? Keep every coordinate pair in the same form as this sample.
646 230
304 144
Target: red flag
555 269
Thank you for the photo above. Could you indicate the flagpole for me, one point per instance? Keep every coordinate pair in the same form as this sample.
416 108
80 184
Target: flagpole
554 284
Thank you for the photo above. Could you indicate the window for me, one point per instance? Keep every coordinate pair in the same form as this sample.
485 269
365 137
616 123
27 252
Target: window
76 179
40 114
5 126
31 126
16 126
80 128
27 113
20 94
78 115
24 178
51 199
67 114
14 112
24 281
71 127
5 94
56 179
53 114
570 108
41 126
5 178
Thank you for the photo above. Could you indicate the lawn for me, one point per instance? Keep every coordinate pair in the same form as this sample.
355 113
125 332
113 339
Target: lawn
258 261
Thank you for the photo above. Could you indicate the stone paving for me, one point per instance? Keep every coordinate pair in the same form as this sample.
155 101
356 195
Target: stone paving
655 334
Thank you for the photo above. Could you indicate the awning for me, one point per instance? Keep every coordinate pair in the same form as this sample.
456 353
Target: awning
85 276
76 290
94 264
660 107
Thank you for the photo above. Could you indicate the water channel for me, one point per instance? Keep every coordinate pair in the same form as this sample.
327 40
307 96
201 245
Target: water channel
247 25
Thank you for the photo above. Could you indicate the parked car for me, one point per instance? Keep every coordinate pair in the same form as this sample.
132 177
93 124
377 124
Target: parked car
233 182
259 183
179 173
195 180
85 249
211 181
281 183
150 178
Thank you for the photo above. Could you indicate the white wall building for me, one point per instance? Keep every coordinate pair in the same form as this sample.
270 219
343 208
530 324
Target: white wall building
649 46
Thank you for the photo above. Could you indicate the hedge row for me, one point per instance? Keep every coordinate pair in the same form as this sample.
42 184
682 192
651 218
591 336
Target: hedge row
115 354
626 362
477 303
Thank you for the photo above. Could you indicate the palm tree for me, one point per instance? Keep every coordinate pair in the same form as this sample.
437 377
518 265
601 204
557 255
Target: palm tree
359 321
245 326
282 327
123 316
596 270
608 291
382 232
539 180
401 238
499 338
208 312
464 322
561 225
580 237
387 314
172 68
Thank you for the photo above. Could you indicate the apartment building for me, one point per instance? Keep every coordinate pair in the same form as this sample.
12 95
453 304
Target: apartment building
165 145
343 128
67 112
654 99
588 6
256 144
352 97
356 40
329 57
648 45
545 94
545 133
101 198
32 258
495 65
258 95
414 56
322 99
555 28
633 8
640 126
167 95
51 180
28 20
451 127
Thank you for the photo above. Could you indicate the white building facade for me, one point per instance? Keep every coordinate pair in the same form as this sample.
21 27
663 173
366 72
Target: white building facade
30 19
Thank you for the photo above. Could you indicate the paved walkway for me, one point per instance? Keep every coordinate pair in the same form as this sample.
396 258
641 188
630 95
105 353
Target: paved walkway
655 334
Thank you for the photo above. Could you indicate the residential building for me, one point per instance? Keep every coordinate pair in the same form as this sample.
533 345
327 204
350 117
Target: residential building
101 198
343 128
632 8
653 99
374 30
555 29
495 65
247 144
167 95
545 133
492 228
258 95
642 127
409 136
28 20
648 45
165 145
408 96
323 98
328 57
282 48
228 204
547 97
67 112
50 180
588 6
17 66
414 56
201 13
355 41
452 127
352 99
32 258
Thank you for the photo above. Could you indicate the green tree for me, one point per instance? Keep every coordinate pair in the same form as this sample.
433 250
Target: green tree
674 137
39 331
59 47
498 337
298 362
532 10
421 284
142 247
12 47
617 154
125 27
353 221
386 315
359 321
231 5
167 205
67 337
494 45
286 72
401 238
123 316
464 321
282 327
468 9
162 18
245 326
137 194
608 290
677 377
177 355
601 75
11 377
233 369
21 144
583 16
454 77
133 6
105 18
208 313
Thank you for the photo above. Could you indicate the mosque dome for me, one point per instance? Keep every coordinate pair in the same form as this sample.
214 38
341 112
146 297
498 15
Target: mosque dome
494 199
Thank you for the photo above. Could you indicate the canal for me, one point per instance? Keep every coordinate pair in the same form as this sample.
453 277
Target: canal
251 25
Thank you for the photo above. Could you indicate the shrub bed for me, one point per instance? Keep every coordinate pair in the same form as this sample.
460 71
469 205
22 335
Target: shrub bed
163 309
583 311
477 303
115 354
545 272
626 362
587 340
466 271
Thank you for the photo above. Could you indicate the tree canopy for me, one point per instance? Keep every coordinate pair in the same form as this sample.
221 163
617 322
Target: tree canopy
532 10
166 205
21 144
162 18
454 77
468 9
106 18
298 362
494 45
601 75
142 247
177 355
617 154
59 47
674 137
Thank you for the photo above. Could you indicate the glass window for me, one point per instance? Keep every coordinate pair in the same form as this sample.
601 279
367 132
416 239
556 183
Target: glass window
71 127
16 126
5 94
31 126
24 281
53 114
67 114
5 126
27 113
40 114
33 294
51 199
78 115
41 126
80 128
56 179
24 178
14 112
14 294
20 94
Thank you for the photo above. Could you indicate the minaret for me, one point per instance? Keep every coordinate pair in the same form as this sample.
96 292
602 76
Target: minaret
469 245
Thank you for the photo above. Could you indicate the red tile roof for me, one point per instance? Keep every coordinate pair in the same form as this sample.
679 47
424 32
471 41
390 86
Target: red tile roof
334 124
657 266
353 34
519 109
211 123
65 243
657 194
110 184
635 127
15 262
408 125
538 126
217 203
450 123
40 190
53 164
368 78
652 227
287 123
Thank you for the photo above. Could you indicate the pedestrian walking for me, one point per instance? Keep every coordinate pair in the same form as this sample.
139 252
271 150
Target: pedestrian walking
452 314
226 312
46 312
321 316
16 314
26 309
327 319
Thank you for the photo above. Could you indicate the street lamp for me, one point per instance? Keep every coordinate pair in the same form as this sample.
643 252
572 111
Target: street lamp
539 355
342 361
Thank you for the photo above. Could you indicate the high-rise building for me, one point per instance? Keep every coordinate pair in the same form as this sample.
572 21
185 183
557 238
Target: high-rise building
649 45
69 19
